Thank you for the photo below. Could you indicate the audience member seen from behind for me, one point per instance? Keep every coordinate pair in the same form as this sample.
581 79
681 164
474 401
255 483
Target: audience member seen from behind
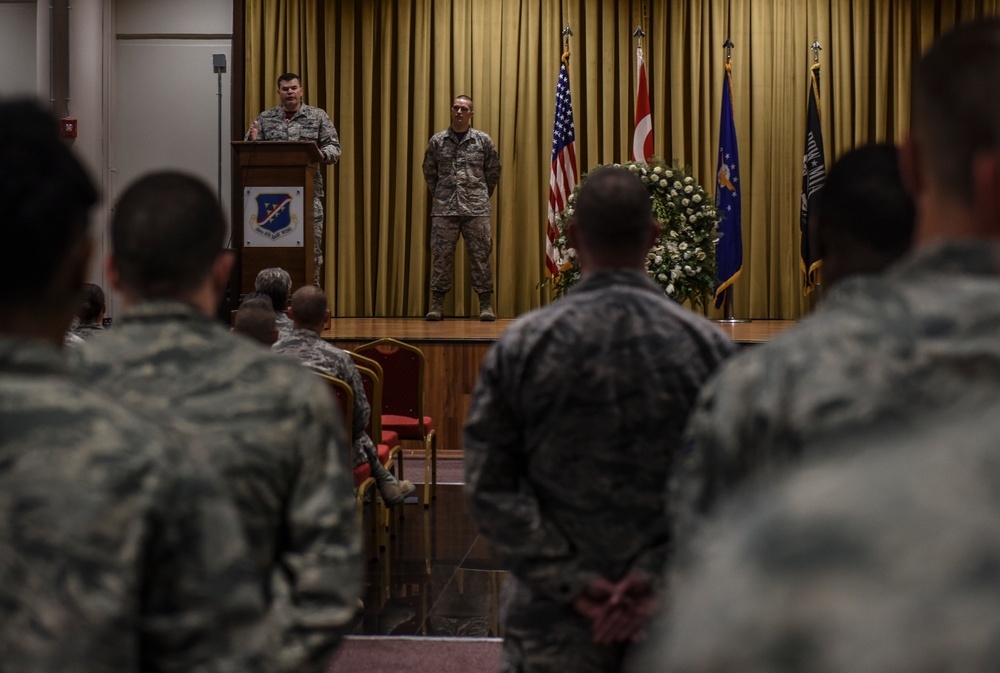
117 552
838 368
90 314
309 312
880 554
573 424
268 426
255 319
276 283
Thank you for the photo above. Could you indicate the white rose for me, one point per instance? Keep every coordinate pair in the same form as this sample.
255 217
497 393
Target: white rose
688 180
688 189
685 202
662 277
682 246
677 185
658 259
633 168
669 174
657 170
663 183
670 290
696 198
693 219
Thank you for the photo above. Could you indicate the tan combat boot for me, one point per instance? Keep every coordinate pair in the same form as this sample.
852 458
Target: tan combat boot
486 313
437 307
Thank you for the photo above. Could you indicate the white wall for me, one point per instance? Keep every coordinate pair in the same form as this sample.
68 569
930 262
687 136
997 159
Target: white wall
142 87
17 37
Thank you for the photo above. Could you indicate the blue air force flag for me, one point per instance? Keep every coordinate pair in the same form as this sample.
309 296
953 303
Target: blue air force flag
729 250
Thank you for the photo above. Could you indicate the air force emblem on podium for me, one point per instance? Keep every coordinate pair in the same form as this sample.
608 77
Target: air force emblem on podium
276 218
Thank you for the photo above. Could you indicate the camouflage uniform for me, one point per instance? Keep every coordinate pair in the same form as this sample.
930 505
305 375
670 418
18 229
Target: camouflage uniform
313 351
879 348
85 332
308 123
284 324
275 436
117 552
461 177
880 555
568 444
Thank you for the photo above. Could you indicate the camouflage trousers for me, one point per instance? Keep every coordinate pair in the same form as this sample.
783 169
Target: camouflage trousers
541 636
318 218
475 230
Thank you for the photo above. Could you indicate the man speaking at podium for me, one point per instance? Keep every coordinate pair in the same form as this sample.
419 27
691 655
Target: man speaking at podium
294 120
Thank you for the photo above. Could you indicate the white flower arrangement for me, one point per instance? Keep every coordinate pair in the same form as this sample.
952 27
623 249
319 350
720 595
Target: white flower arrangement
682 261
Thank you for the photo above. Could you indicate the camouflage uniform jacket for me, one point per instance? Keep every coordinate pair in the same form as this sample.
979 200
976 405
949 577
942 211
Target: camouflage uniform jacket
878 554
572 428
284 324
879 348
117 552
314 352
461 175
274 434
308 123
85 332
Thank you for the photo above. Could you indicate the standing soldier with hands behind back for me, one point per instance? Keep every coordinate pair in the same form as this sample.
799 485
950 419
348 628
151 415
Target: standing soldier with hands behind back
462 168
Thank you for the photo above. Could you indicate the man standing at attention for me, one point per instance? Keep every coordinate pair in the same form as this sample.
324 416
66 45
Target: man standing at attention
570 437
462 168
294 120
269 427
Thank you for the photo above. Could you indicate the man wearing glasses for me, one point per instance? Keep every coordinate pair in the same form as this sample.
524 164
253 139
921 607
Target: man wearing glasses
462 168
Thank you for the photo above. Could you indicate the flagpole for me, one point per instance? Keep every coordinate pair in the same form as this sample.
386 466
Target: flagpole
815 48
727 306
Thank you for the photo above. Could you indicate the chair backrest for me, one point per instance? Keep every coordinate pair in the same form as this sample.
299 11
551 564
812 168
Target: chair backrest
365 361
402 376
373 392
344 396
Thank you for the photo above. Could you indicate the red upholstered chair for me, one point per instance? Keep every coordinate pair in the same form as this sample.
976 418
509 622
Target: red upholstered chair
363 480
403 400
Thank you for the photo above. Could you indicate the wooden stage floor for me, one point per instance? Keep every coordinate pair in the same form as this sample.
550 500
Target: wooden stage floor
455 348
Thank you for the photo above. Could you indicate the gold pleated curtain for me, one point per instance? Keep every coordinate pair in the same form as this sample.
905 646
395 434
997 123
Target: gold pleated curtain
387 70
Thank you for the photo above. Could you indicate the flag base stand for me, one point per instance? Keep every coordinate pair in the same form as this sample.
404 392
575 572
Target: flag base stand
728 308
732 320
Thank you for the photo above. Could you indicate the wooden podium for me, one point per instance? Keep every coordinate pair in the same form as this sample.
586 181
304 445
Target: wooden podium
276 178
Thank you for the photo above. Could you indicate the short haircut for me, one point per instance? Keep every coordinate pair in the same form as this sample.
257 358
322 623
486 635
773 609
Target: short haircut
308 306
256 295
255 318
46 196
864 197
276 283
91 304
166 233
288 77
613 211
954 102
462 96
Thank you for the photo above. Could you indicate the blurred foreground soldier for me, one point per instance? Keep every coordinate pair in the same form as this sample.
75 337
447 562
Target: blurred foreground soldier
255 319
309 312
270 428
90 314
845 365
276 283
885 556
117 552
570 437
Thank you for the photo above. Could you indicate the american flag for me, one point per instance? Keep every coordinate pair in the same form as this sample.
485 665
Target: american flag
563 177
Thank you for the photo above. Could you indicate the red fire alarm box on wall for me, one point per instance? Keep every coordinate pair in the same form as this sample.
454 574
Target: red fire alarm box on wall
67 127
